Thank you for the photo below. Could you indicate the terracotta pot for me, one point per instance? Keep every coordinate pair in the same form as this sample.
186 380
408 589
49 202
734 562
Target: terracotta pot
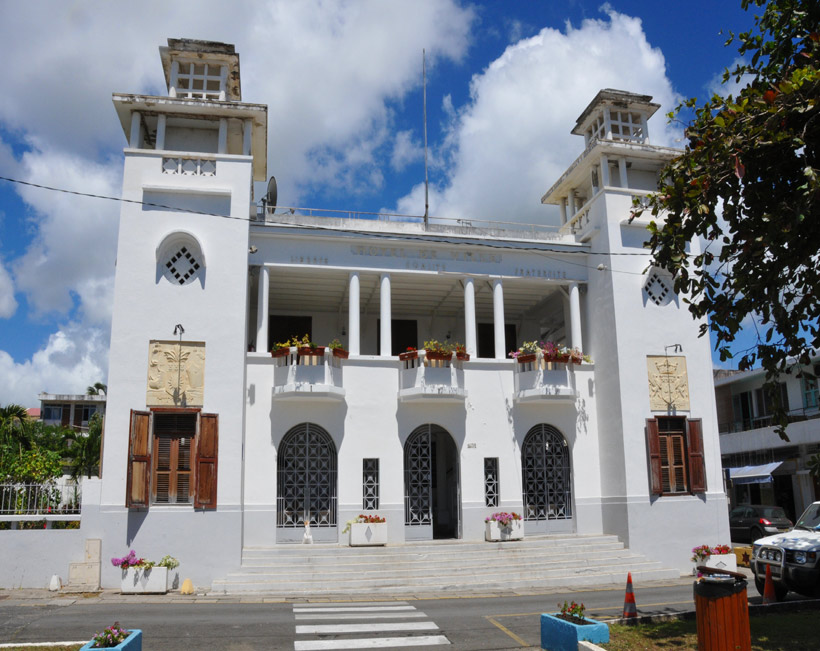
340 352
279 352
307 351
430 354
526 359
410 354
465 357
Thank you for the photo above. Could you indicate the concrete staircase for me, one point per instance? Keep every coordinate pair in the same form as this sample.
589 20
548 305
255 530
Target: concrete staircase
440 567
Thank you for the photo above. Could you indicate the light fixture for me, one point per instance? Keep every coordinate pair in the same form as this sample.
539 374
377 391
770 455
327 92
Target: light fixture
178 329
252 249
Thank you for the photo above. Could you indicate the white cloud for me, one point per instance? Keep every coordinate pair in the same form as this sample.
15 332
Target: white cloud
405 151
8 304
74 358
512 140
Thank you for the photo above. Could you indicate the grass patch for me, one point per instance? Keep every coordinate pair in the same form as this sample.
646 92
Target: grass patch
775 632
53 647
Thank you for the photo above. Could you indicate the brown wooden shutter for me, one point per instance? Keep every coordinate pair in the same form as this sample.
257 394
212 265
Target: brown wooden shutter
138 484
697 472
653 447
206 461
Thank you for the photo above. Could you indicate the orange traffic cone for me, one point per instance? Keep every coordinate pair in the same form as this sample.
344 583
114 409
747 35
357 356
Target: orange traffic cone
630 609
769 596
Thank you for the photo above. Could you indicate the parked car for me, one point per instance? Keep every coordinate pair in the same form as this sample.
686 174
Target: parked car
748 522
792 557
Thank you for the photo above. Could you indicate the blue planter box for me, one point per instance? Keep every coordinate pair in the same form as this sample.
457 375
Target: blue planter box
132 643
560 635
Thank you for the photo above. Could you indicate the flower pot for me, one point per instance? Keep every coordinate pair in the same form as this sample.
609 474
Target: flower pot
307 351
410 354
526 359
132 643
495 532
280 352
341 353
139 580
558 634
432 354
368 534
464 357
719 562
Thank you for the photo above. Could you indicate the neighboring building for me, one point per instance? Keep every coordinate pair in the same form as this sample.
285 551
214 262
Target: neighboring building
762 467
210 449
70 410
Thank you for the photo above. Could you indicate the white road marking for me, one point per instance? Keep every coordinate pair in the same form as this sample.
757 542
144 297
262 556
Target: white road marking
323 629
353 609
371 643
416 613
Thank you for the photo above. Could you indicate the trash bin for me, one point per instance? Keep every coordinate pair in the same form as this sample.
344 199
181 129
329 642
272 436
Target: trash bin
722 611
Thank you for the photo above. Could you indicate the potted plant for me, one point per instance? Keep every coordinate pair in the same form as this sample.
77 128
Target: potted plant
366 531
461 352
526 353
280 349
720 557
563 630
115 637
436 350
141 576
306 348
337 350
503 526
410 353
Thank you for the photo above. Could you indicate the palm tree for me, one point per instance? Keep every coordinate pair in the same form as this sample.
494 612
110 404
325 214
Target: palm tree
12 430
98 389
83 450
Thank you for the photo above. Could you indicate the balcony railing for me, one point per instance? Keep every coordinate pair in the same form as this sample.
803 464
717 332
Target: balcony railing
53 500
539 379
302 373
760 422
422 377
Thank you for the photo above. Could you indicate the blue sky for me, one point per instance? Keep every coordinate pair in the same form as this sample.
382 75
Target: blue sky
342 81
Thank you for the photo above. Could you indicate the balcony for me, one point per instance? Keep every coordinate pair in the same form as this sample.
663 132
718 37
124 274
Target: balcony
300 374
433 380
538 379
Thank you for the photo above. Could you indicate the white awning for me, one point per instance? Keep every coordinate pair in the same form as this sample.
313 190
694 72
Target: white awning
753 474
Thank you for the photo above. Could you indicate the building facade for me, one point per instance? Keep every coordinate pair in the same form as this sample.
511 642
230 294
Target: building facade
70 410
220 439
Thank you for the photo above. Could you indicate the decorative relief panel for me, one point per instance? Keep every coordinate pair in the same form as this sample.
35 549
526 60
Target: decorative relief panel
176 374
668 383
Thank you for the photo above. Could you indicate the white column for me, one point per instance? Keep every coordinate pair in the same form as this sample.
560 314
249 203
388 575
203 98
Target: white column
353 319
645 129
134 139
247 134
498 319
469 317
160 144
607 124
622 170
604 172
575 316
262 309
172 85
386 334
564 210
571 204
223 83
222 147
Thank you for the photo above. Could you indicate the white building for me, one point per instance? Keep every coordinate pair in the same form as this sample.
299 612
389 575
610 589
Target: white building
210 448
762 467
70 410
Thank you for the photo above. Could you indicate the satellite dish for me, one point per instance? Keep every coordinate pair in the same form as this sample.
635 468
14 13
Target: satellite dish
271 195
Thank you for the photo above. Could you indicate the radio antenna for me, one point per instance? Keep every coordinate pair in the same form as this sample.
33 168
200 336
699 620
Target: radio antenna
424 100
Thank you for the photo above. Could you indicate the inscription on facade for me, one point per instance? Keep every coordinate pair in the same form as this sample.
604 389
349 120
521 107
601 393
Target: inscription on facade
534 272
668 383
176 374
437 257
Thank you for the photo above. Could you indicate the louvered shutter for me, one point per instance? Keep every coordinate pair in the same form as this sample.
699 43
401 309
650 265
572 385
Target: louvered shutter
697 472
138 482
206 461
654 449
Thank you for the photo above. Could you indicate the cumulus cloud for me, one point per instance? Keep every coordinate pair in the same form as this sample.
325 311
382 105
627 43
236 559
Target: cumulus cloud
512 140
8 304
405 150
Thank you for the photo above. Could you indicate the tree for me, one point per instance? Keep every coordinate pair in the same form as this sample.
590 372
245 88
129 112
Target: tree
747 184
13 419
97 389
84 449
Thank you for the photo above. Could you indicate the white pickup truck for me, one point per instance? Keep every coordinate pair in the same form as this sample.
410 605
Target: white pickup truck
793 556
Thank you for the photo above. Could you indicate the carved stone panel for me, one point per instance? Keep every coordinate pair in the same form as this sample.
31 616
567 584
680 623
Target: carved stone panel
668 383
176 374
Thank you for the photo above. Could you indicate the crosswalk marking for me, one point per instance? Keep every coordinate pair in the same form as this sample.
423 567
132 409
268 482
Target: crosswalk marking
334 616
371 643
319 629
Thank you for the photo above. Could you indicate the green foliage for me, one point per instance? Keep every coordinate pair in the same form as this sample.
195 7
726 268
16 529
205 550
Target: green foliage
83 452
35 466
97 389
747 185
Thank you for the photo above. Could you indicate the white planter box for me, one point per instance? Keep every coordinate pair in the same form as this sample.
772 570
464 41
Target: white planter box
363 534
719 562
495 532
136 580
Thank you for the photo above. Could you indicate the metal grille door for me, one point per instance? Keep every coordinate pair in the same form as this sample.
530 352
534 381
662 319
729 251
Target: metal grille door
306 478
546 475
418 478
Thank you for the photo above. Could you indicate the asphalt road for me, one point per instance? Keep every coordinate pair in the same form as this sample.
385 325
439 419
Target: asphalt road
473 622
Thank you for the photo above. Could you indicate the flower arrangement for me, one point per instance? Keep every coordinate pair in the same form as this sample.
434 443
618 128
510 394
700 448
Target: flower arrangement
333 345
459 348
701 553
572 610
411 349
504 519
131 560
435 346
551 352
363 519
109 637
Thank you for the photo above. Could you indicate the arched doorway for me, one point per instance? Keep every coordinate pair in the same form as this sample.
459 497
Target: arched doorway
432 497
547 481
306 484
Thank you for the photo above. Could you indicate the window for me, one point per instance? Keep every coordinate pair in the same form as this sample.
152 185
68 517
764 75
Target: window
172 459
491 481
658 288
370 484
180 259
52 412
88 412
765 404
199 80
675 448
810 394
